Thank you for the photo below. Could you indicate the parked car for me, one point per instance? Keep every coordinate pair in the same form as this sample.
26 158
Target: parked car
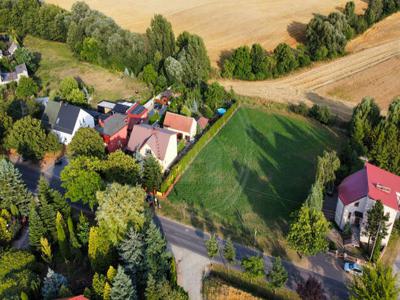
353 268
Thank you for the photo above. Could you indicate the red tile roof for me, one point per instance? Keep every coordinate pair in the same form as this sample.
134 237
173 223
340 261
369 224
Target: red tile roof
80 297
203 122
178 122
378 184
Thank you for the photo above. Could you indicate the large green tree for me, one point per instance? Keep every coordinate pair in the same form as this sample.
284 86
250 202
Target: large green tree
131 251
152 174
377 282
120 206
307 233
376 223
254 266
122 286
36 228
161 37
28 138
26 88
86 142
100 250
120 167
214 96
61 236
13 193
278 275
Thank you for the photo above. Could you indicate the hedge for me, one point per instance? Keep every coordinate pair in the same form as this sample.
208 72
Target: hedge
258 287
178 169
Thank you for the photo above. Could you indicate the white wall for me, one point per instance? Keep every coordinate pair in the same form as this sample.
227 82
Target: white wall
171 153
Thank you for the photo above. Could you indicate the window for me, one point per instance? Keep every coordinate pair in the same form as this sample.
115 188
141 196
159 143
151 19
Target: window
356 204
349 216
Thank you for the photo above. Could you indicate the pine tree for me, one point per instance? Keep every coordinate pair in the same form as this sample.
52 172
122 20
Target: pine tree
376 253
83 229
152 292
152 174
316 197
111 272
107 291
131 252
156 255
60 204
46 211
212 246
61 236
13 192
36 228
100 251
278 275
47 255
98 284
72 237
229 251
376 222
122 286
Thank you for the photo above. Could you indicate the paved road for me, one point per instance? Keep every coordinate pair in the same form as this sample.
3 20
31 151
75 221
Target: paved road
192 239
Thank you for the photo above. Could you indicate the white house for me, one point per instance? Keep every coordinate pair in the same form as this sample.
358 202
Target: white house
185 127
161 143
65 119
359 192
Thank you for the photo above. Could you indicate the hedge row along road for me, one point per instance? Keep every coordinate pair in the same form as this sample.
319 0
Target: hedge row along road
305 86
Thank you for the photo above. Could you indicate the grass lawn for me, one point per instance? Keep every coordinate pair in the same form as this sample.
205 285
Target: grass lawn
251 176
58 62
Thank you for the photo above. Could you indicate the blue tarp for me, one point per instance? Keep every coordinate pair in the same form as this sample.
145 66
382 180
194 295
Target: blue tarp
221 111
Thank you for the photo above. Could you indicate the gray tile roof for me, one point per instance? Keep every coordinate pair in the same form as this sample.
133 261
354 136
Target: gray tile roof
113 124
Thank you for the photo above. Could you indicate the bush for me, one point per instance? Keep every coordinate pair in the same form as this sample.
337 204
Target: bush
181 166
320 113
301 109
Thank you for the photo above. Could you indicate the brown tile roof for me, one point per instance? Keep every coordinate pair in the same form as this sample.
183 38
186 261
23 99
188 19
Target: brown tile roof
178 122
156 138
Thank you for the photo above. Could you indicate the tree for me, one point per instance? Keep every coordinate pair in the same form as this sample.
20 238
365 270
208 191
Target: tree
320 113
36 228
212 246
257 54
27 137
376 222
161 37
67 85
120 206
229 251
26 88
100 251
83 229
5 124
111 272
377 282
72 237
193 58
45 249
52 284
278 275
149 75
5 233
376 252
81 181
214 96
241 59
13 192
122 286
254 266
86 142
152 174
61 236
327 165
131 252
315 198
23 56
307 233
17 274
46 211
374 11
173 70
107 291
156 256
122 168
90 50
311 289
98 283
285 59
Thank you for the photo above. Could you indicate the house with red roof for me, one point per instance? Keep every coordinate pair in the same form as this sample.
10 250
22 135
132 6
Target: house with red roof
137 114
185 127
358 194
148 140
114 131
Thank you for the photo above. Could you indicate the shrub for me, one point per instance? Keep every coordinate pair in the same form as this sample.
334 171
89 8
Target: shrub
301 109
320 113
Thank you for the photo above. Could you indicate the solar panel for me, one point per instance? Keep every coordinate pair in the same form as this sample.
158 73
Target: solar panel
137 110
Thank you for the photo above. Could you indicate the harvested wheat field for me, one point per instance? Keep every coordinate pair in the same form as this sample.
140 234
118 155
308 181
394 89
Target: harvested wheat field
223 24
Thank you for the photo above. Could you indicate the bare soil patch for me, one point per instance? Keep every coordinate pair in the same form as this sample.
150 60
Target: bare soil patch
223 24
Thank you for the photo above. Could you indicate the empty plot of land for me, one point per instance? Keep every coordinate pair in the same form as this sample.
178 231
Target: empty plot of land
58 62
223 24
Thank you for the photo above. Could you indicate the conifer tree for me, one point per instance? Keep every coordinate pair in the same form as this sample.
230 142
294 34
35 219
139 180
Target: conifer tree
13 192
36 228
212 246
131 252
107 291
100 251
278 275
229 251
47 255
46 211
83 229
59 203
152 174
72 238
61 236
111 272
122 286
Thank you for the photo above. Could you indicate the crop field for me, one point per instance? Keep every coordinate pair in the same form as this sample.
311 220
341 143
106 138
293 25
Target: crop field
253 174
223 24
58 62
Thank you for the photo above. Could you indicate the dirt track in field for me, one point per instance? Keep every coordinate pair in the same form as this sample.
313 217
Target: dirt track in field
223 24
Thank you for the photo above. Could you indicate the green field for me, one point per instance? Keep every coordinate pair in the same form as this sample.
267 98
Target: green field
58 62
252 175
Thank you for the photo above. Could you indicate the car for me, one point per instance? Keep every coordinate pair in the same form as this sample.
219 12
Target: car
353 268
